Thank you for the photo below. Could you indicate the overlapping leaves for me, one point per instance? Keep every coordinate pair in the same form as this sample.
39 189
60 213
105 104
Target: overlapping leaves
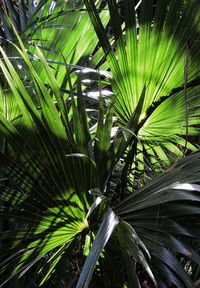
54 164
48 180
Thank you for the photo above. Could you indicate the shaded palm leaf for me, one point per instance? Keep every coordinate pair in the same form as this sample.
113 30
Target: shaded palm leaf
161 213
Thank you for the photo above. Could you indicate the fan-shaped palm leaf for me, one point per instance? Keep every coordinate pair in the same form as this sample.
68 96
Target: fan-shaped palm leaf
155 45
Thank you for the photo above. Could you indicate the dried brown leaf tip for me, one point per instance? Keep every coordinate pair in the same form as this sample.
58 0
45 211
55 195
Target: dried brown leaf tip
172 167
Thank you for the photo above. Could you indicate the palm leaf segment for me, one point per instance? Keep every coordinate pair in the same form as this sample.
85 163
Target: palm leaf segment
154 46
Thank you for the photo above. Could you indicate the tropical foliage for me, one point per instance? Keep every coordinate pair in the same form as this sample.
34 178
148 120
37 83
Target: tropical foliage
88 130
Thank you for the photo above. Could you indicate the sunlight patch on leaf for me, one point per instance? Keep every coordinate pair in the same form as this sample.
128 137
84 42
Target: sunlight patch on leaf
97 94
187 186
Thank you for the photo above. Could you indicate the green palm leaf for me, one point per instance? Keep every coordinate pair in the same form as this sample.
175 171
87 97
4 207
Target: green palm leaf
65 184
152 46
51 185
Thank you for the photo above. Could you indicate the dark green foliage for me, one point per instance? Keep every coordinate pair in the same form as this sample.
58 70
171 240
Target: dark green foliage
86 198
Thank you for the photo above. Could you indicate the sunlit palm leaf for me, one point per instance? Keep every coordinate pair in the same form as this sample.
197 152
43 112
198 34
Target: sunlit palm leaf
40 29
50 197
152 46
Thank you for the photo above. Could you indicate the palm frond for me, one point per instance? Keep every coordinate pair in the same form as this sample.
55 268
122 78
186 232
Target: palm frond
151 48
